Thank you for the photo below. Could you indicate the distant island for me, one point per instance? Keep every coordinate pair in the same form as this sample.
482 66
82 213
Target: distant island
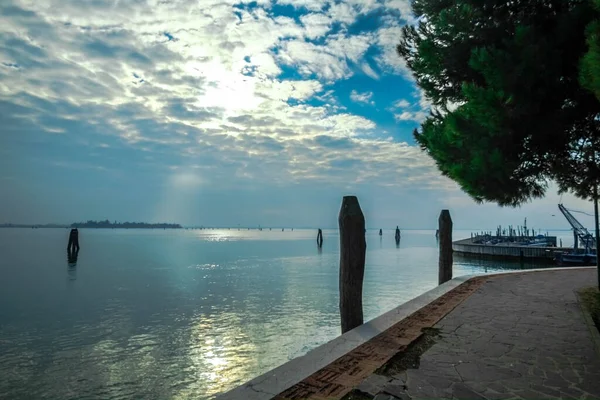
126 225
97 224
7 225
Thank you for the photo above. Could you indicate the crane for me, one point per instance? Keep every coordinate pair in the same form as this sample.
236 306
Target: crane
584 236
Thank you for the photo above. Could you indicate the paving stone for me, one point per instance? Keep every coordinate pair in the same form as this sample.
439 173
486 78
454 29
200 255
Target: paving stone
398 391
497 387
484 373
532 394
419 388
440 382
546 391
373 384
572 392
395 389
383 396
493 395
462 391
570 396
399 377
591 385
478 387
496 349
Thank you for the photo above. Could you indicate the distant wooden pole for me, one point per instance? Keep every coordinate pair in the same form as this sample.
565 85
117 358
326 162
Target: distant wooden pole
352 262
445 263
73 245
320 238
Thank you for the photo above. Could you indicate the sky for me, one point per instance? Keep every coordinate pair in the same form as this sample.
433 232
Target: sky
219 113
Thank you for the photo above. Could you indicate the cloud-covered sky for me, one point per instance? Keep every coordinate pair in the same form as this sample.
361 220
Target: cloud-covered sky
219 112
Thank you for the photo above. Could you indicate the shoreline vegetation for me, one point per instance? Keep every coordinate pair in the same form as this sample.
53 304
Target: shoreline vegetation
133 225
99 224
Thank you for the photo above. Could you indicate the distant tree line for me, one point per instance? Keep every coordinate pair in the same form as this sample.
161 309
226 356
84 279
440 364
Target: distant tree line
132 225
11 225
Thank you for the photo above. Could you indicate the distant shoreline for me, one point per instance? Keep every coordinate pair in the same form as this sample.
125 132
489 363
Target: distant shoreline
177 226
98 225
80 227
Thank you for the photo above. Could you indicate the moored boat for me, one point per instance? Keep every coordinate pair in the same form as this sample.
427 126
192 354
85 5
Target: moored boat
573 258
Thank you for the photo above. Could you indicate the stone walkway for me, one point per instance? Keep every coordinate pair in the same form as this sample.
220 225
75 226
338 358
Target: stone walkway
519 336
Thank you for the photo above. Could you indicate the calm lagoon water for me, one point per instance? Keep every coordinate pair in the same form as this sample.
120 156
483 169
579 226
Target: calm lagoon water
183 314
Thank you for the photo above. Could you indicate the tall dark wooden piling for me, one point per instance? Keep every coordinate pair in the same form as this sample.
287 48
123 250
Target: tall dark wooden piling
352 262
73 245
320 238
72 258
445 238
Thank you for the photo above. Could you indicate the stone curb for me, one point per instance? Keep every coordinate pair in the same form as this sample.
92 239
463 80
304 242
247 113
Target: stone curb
270 384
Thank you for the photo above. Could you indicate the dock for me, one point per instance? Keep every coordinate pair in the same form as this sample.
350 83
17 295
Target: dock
505 247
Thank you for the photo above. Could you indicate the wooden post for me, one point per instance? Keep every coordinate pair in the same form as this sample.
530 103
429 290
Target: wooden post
73 244
72 258
352 262
320 238
445 264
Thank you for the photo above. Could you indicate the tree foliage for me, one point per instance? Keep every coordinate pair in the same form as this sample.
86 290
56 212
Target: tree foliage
505 79
590 64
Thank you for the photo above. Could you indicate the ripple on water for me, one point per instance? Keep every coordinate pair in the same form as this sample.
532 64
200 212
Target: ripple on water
187 317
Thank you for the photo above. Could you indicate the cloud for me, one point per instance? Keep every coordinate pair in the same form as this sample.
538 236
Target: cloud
417 116
369 71
246 96
316 25
312 5
402 6
328 62
416 111
343 12
386 39
402 103
362 97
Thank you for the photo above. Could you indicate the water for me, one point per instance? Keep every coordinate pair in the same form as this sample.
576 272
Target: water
181 314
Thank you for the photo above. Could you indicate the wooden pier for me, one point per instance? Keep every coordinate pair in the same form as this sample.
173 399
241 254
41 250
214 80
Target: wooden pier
507 250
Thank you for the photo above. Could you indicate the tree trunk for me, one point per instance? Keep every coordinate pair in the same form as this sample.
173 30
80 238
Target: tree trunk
445 263
352 262
597 234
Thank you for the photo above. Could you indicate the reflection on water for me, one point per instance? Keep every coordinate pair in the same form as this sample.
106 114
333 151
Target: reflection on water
468 265
72 263
185 314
